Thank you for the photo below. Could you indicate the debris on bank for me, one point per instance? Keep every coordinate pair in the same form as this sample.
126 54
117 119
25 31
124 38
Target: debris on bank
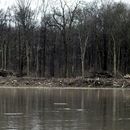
93 79
65 82
127 76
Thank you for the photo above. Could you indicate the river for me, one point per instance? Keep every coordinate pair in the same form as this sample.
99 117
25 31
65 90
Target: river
64 109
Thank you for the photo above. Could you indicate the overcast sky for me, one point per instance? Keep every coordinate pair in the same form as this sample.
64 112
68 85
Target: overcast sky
7 3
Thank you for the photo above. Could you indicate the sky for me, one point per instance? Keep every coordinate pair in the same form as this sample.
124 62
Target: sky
6 3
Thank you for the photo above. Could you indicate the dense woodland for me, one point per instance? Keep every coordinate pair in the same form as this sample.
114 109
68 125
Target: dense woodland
67 41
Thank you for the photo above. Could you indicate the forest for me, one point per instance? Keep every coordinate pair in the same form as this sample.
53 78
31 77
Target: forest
67 40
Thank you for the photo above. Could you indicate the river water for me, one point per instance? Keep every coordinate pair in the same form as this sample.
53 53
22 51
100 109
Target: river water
64 109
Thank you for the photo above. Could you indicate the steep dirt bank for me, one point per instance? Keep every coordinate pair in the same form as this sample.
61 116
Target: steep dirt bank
65 82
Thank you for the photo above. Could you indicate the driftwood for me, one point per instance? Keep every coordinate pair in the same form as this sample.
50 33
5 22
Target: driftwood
20 74
5 73
102 74
127 76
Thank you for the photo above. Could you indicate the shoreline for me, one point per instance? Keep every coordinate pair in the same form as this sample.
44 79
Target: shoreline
63 88
78 82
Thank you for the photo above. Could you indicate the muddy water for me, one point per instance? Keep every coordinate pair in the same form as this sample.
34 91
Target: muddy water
46 109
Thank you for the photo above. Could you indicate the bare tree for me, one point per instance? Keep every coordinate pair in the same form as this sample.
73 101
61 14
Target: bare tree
43 39
83 46
114 56
25 20
63 19
3 24
84 21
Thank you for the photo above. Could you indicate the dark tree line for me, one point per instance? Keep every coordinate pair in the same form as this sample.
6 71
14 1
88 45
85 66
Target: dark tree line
69 40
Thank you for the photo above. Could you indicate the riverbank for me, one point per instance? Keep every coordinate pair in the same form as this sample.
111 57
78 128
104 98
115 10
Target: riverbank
65 82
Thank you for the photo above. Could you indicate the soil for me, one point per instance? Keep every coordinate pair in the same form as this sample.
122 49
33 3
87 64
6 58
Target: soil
65 82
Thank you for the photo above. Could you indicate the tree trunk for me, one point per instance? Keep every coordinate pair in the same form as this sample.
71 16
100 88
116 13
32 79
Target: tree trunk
37 62
5 56
83 69
52 62
83 46
65 54
43 37
28 58
20 54
105 54
44 53
2 52
114 57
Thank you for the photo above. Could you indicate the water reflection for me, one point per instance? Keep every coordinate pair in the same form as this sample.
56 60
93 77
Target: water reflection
46 109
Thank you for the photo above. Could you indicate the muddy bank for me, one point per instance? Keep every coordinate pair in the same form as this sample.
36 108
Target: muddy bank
65 82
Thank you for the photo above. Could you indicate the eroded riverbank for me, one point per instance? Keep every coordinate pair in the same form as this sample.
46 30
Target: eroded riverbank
65 82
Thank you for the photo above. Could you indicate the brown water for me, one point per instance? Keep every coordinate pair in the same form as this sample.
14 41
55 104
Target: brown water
46 109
